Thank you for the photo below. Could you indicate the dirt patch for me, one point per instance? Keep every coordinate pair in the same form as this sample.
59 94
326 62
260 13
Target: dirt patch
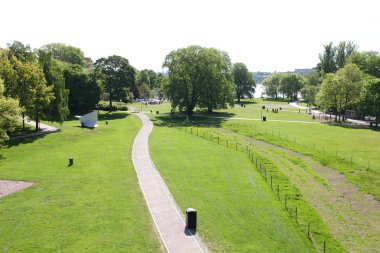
9 186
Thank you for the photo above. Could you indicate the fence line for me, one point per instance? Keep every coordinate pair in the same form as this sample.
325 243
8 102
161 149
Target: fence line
293 212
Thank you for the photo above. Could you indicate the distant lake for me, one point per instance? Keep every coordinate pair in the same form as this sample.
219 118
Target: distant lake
259 90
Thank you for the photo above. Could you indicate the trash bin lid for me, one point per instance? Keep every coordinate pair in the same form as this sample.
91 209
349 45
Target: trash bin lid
190 210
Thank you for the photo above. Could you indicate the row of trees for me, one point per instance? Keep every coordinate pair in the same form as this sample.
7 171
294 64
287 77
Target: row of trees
344 79
204 78
287 84
56 80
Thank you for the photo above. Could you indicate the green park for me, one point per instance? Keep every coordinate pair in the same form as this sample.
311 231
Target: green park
295 170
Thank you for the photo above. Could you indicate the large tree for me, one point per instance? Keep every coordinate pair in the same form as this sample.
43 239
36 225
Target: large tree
147 76
9 114
199 76
341 90
84 91
272 85
370 99
245 85
26 82
291 84
58 109
309 93
117 76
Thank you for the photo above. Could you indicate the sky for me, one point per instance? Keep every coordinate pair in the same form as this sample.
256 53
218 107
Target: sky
266 35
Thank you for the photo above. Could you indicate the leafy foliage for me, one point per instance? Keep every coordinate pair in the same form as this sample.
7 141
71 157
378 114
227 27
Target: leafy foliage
272 85
9 113
199 77
370 99
245 84
84 91
341 91
117 76
64 53
58 109
368 62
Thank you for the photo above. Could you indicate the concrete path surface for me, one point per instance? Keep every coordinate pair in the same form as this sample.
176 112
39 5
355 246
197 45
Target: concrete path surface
165 213
355 121
44 129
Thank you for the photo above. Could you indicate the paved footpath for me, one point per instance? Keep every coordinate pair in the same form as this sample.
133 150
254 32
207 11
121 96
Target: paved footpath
165 213
44 129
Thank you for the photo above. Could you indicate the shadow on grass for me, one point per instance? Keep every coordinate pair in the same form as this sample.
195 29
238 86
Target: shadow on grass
245 102
113 116
25 140
277 100
214 119
351 126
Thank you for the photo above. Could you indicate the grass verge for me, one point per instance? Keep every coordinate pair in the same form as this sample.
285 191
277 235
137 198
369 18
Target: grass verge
95 205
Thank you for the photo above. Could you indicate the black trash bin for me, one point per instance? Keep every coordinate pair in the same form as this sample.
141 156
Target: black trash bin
263 107
264 118
157 112
71 161
191 218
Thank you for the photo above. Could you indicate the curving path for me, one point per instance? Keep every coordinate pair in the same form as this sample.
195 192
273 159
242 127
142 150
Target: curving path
44 129
165 213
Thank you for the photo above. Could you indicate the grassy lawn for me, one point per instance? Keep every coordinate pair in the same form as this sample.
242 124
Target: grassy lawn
18 130
95 205
238 211
353 152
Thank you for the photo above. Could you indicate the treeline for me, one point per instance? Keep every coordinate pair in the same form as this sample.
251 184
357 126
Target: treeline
56 80
344 79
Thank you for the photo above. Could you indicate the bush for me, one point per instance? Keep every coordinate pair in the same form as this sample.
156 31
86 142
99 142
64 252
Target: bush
116 106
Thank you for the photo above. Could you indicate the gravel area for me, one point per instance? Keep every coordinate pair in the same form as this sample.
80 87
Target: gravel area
8 186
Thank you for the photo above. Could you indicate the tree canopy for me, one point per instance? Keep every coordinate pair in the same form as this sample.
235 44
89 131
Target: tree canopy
117 76
84 91
370 99
64 53
341 91
335 57
199 76
9 113
58 109
272 85
243 79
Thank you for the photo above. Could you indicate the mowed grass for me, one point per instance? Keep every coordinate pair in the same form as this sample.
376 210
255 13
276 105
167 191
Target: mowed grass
95 205
237 210
353 152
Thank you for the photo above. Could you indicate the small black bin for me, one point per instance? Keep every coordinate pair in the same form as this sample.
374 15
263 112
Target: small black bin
191 218
264 118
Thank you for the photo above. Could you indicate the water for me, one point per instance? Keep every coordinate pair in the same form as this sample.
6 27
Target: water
259 91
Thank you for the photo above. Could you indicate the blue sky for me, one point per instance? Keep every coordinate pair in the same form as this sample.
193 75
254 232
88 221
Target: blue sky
270 35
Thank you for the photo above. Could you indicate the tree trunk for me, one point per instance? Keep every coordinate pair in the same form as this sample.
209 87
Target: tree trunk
37 122
23 121
110 104
209 109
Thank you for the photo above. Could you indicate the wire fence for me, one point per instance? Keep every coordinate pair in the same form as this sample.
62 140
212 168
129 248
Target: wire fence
288 201
341 155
